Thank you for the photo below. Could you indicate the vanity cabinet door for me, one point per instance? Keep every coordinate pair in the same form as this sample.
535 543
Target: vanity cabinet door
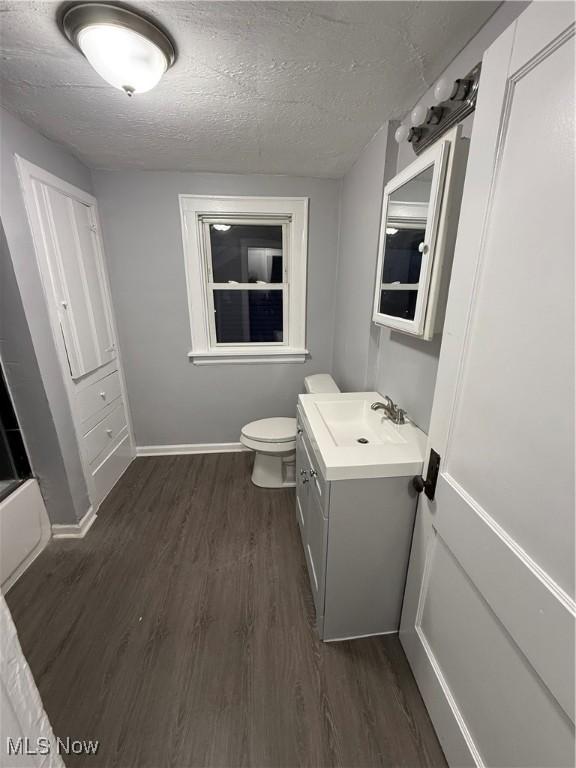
302 491
316 539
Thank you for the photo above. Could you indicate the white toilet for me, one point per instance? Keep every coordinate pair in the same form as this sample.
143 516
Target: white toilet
274 441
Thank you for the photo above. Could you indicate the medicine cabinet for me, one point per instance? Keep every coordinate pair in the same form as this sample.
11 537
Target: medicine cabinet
417 235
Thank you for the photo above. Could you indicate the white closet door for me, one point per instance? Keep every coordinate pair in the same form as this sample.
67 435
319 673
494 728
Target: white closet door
78 281
85 218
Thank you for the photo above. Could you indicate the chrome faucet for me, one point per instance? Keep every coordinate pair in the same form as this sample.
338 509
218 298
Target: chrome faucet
392 411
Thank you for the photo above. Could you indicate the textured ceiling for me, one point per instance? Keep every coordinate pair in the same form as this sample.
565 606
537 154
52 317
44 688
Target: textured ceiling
259 87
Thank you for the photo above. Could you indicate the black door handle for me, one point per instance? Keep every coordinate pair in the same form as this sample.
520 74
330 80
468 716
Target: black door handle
428 485
418 483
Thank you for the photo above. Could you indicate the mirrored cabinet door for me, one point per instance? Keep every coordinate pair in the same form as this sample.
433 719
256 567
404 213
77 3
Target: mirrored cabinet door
413 207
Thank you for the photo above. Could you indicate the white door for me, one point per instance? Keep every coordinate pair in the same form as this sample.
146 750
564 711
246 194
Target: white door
488 619
77 278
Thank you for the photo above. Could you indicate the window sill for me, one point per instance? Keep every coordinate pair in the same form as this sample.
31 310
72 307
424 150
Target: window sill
249 356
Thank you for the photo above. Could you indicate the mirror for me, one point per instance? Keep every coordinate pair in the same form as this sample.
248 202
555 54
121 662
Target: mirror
417 230
405 232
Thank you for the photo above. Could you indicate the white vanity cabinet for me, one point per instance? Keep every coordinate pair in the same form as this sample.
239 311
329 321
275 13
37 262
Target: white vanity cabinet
356 535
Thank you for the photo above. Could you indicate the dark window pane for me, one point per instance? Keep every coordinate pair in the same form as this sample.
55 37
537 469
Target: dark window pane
403 257
398 303
14 465
244 317
246 253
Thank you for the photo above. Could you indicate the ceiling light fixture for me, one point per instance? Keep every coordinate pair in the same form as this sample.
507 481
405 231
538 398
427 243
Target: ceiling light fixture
128 51
221 227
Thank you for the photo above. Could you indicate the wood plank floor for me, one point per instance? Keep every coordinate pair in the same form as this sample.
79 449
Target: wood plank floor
180 632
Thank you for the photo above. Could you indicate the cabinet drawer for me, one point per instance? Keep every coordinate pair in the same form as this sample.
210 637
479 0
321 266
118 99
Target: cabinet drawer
105 434
98 395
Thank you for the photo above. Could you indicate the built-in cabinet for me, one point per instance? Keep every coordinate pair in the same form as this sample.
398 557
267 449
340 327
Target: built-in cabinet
356 536
417 235
68 243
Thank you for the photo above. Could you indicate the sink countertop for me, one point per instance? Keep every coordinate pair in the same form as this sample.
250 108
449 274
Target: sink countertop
393 450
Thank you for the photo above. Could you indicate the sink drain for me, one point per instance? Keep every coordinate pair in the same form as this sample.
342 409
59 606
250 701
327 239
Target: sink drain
362 440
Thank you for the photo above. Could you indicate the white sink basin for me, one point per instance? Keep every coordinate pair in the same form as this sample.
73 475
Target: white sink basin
337 426
353 422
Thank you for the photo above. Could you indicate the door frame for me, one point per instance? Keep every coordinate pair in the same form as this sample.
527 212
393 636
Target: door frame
27 174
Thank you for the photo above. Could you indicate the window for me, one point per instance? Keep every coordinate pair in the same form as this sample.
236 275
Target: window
246 276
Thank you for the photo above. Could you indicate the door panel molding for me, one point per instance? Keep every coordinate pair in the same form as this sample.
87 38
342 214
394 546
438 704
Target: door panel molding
451 728
500 146
542 627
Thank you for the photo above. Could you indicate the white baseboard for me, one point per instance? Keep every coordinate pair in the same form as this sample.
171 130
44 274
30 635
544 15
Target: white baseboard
184 448
74 530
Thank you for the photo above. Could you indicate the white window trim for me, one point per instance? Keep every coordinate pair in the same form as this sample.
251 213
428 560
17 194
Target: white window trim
193 209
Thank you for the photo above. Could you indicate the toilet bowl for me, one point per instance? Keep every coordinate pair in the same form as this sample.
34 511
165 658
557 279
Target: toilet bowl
274 441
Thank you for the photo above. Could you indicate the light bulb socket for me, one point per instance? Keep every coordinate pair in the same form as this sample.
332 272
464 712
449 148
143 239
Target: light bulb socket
75 18
415 134
461 89
434 115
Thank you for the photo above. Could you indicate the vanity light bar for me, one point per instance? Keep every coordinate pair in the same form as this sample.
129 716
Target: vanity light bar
454 101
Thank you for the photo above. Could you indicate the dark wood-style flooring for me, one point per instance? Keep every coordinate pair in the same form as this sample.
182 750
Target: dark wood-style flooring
180 632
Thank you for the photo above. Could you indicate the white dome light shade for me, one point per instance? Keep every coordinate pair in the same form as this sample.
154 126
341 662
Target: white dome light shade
401 133
126 49
443 90
418 115
122 57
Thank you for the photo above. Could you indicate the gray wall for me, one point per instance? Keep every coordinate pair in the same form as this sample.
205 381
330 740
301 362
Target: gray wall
366 357
173 401
28 395
66 501
355 341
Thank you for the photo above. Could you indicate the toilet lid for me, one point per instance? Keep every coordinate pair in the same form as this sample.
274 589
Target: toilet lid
279 430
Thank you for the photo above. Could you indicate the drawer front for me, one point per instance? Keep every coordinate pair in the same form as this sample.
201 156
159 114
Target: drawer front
97 396
106 473
105 434
316 540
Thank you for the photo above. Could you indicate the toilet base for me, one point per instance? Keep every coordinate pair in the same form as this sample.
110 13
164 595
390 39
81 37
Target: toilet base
274 471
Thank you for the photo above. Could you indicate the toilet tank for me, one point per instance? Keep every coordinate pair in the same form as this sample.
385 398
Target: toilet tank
320 383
